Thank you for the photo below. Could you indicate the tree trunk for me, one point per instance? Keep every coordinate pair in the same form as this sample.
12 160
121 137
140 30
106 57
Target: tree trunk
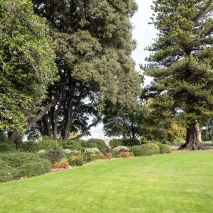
193 138
16 137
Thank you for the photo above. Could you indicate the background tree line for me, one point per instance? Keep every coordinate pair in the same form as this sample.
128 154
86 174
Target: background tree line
87 61
66 65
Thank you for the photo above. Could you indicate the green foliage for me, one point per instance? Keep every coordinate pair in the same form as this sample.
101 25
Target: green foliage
100 155
93 48
6 145
146 149
26 63
115 142
29 147
71 144
48 144
52 155
89 157
93 150
19 164
181 63
76 160
95 143
124 121
164 148
179 141
131 142
66 152
116 151
75 152
208 143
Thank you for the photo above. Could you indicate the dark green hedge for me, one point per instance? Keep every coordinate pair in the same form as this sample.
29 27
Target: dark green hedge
6 145
16 165
71 144
95 143
146 149
131 142
115 142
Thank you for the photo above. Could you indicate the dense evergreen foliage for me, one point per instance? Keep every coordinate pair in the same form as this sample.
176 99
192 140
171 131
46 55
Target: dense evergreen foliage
124 121
18 165
93 48
181 63
26 63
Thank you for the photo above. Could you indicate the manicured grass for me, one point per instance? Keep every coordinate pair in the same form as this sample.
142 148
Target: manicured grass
178 182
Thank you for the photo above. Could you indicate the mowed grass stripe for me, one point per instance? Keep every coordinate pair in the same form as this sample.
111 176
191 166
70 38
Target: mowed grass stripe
177 182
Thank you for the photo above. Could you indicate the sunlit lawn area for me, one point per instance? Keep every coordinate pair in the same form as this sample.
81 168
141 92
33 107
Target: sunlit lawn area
177 182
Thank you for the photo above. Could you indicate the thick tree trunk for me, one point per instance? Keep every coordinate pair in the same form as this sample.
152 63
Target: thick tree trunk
193 138
68 121
16 137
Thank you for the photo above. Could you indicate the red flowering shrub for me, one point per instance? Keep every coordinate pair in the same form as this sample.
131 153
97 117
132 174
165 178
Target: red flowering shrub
56 165
109 155
125 154
64 163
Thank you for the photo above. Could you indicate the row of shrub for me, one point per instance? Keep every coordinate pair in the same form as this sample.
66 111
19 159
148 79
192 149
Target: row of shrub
77 158
124 142
62 154
51 144
145 149
17 165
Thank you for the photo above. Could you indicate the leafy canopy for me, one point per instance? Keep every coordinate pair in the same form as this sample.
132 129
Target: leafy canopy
26 62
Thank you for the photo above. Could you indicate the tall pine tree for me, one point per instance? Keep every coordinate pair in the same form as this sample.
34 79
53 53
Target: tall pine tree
181 63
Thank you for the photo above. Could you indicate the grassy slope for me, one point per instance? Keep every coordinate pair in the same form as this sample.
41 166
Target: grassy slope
178 182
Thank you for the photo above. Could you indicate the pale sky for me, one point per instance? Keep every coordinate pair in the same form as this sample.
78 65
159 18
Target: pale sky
143 33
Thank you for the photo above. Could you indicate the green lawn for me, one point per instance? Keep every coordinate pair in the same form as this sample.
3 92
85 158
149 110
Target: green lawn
177 182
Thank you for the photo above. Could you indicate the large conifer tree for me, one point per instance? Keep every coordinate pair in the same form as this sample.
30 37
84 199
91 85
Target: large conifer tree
181 64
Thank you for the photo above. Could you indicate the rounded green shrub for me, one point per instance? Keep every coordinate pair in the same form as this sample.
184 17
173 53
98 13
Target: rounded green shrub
115 142
116 151
165 148
71 144
131 142
146 149
66 152
89 157
90 154
48 144
98 143
42 151
76 160
93 150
